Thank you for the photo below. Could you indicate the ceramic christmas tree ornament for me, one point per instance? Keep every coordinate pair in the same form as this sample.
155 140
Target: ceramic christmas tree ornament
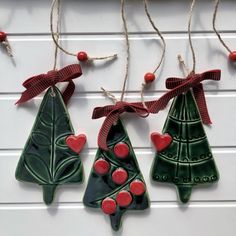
47 159
183 154
50 157
116 184
186 159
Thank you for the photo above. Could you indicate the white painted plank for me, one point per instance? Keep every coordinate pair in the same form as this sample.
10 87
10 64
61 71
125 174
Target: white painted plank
34 55
165 219
16 122
80 16
17 192
95 26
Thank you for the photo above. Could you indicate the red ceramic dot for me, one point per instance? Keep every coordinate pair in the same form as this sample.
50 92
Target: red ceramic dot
82 56
121 150
149 77
119 176
137 187
3 36
101 166
232 56
109 206
123 198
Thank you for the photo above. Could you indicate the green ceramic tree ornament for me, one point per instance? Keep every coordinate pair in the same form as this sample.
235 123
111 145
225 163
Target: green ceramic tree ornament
183 155
116 184
47 159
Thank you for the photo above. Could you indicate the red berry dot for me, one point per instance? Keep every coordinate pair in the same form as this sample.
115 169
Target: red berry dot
119 176
3 36
121 150
123 198
232 56
137 187
109 206
82 56
101 167
149 77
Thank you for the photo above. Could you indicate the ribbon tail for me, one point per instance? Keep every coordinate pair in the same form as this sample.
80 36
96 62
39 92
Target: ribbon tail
34 87
68 92
24 98
201 103
99 112
104 131
28 95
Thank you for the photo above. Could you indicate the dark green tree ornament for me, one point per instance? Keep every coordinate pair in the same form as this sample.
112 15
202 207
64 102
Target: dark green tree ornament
183 155
116 184
47 159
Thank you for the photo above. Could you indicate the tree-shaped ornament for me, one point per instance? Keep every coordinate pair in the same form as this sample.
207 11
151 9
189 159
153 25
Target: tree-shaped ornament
183 155
50 156
116 184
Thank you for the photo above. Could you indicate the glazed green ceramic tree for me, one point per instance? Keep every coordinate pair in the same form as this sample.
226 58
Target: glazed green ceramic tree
46 159
187 159
116 184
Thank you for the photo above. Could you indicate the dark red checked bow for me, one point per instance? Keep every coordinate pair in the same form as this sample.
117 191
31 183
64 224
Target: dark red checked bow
179 86
112 113
37 84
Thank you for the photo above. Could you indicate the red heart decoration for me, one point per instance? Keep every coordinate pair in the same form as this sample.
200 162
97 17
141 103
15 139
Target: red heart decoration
161 141
76 143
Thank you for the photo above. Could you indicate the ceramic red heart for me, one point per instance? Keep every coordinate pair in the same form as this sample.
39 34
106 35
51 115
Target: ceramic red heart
161 141
76 143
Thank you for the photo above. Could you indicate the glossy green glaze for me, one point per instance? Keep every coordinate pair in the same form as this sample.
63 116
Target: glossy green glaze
102 186
188 160
46 159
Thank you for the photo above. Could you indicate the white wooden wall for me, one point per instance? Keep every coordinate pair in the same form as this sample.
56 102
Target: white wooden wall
95 26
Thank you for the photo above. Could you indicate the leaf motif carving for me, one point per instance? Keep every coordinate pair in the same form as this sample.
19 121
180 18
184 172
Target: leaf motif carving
66 167
46 159
38 167
61 142
40 138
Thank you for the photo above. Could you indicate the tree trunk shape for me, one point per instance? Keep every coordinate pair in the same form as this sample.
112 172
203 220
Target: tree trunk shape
103 186
48 193
188 160
184 192
46 159
116 220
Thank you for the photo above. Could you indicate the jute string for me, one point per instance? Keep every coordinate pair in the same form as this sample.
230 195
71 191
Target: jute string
189 36
181 61
113 56
127 65
185 69
214 26
7 45
57 35
144 85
